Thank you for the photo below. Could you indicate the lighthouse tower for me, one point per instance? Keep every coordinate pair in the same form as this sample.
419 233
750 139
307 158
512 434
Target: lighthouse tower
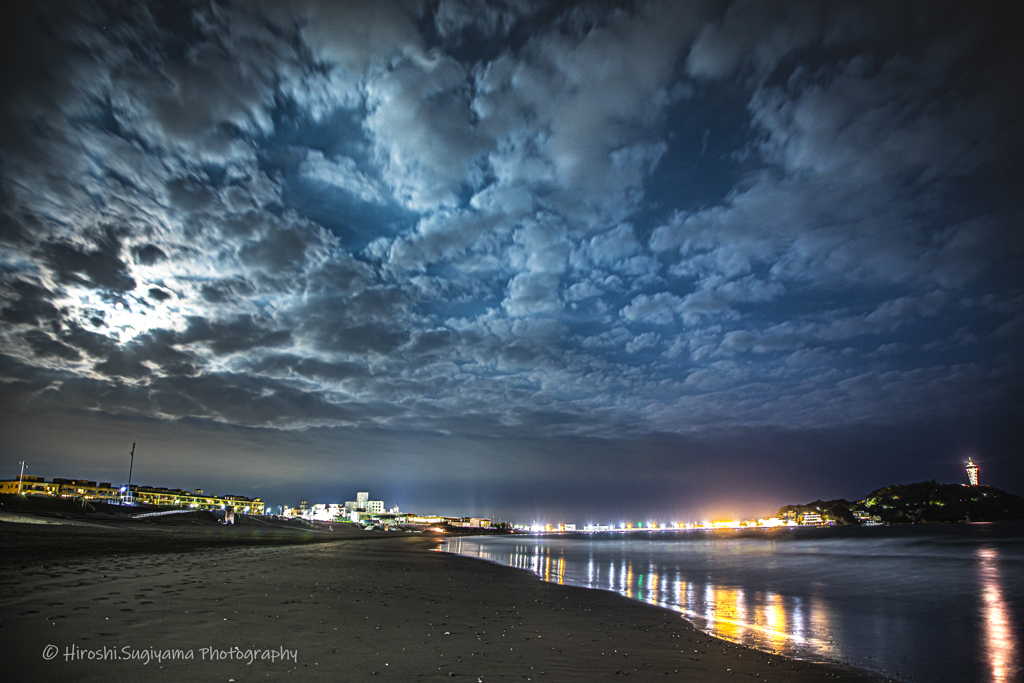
972 472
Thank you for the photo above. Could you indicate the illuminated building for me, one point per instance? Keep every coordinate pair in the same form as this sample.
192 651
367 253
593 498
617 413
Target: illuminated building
89 490
196 499
105 492
727 524
363 505
810 519
467 522
362 509
972 472
319 512
30 485
484 523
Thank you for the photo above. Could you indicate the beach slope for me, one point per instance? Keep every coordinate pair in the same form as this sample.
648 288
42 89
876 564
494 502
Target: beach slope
201 604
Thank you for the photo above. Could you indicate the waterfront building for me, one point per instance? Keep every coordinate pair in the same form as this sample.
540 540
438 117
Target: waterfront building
470 522
29 484
319 512
444 520
363 504
972 472
810 519
83 488
149 495
105 492
360 509
432 519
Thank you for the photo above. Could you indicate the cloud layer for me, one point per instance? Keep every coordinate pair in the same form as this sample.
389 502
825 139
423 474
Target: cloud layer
480 219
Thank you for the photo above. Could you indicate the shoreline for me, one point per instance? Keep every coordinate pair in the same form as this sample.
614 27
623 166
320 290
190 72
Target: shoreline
692 620
372 606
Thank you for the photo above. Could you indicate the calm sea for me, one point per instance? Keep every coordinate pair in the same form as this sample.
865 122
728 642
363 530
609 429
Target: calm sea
926 603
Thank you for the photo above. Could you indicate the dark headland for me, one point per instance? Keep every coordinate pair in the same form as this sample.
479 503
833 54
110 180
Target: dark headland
921 503
351 605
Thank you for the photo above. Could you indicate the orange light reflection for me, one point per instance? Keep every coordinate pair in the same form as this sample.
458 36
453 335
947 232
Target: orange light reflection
764 620
1000 640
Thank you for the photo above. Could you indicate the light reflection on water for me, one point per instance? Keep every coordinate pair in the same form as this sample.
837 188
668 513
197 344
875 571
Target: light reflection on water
761 619
1000 637
941 607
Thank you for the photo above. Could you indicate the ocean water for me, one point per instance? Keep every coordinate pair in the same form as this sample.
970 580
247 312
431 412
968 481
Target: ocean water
938 603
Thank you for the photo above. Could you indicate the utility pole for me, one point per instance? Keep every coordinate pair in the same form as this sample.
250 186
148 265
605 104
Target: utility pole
131 466
21 476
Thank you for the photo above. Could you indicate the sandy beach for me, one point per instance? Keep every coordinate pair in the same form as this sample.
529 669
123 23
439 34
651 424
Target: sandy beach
141 602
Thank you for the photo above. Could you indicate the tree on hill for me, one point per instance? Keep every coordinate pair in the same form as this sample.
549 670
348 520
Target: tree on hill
923 502
929 501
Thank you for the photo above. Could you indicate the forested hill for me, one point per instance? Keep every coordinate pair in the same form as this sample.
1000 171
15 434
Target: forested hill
926 501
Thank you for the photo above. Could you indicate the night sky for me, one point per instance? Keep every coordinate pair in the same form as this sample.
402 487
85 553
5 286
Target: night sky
569 262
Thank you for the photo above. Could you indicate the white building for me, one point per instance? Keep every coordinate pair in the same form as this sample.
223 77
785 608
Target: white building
320 512
810 519
354 510
362 505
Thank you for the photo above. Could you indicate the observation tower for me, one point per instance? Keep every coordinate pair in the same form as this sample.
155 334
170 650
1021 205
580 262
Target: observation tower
972 472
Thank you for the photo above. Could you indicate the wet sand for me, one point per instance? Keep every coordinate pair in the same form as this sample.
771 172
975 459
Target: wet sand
351 606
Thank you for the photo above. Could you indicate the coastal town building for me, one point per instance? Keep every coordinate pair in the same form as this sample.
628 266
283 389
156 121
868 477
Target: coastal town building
105 492
30 485
358 510
473 523
363 504
444 520
196 499
362 510
319 512
810 519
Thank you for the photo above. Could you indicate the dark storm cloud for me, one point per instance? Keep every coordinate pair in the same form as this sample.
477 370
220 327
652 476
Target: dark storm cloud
240 333
501 218
149 254
27 303
100 267
44 345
